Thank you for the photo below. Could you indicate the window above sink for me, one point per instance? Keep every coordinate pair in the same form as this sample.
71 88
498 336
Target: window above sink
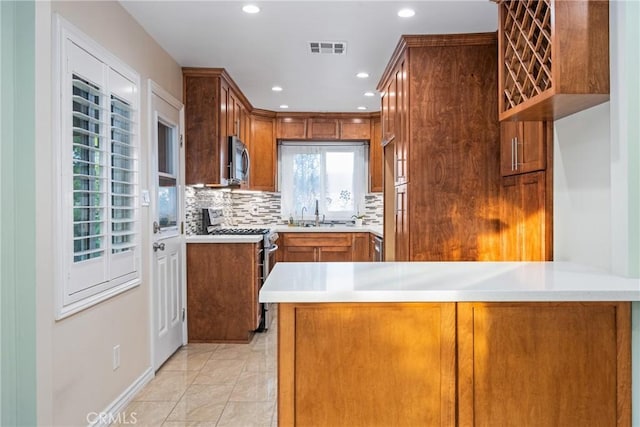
333 174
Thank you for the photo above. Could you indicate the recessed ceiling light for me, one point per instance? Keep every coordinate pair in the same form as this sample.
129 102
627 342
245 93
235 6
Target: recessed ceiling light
284 106
368 94
406 13
362 108
362 75
276 89
250 8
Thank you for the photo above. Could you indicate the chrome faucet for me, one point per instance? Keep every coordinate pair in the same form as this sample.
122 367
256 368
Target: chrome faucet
304 208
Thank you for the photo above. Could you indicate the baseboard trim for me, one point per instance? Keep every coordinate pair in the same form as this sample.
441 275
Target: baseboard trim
110 414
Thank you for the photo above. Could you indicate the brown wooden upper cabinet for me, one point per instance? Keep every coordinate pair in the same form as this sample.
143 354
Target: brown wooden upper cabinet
214 109
522 147
553 56
291 128
327 127
355 129
375 156
237 117
389 107
321 128
262 150
204 153
394 117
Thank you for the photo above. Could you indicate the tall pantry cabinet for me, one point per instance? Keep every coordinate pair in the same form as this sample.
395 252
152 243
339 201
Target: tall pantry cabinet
441 141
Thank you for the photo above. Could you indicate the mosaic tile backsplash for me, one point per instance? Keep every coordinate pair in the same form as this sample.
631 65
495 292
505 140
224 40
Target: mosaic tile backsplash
253 208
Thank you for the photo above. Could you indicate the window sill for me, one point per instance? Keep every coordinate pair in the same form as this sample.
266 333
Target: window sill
70 309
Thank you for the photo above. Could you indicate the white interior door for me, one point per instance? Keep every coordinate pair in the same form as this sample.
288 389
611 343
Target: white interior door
168 287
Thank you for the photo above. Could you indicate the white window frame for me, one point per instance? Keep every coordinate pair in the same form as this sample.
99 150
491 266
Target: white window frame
122 81
169 231
359 201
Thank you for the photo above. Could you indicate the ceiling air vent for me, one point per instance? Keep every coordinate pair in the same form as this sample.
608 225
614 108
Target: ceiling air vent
332 48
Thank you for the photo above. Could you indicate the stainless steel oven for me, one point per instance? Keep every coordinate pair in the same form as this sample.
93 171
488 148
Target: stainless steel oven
269 249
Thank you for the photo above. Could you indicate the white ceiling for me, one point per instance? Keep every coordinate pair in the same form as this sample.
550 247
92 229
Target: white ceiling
271 47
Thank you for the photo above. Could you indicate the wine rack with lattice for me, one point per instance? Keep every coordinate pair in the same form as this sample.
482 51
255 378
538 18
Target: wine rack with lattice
527 50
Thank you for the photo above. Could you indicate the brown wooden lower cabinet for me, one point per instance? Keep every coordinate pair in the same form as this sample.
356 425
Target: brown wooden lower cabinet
324 247
544 364
298 254
334 254
223 281
454 364
360 250
366 365
523 210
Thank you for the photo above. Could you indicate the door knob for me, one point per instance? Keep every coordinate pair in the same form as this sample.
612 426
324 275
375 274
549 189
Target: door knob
156 227
157 246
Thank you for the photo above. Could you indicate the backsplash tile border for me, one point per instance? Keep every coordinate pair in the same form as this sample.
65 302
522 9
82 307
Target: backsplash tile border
252 209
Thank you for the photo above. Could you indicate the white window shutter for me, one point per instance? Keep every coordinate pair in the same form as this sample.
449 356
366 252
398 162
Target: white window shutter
98 142
85 171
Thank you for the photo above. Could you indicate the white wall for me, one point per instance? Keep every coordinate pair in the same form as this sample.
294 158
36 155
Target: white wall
596 162
625 136
75 373
582 188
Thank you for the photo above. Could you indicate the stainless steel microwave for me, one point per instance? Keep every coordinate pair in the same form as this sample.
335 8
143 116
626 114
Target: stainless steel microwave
239 161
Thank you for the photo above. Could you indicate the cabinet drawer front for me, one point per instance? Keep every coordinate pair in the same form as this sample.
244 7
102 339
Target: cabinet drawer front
318 239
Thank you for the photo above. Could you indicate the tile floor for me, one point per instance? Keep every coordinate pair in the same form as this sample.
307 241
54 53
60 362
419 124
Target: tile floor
208 385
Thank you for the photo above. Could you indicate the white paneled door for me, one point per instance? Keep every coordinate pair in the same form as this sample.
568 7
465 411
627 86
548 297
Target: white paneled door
168 287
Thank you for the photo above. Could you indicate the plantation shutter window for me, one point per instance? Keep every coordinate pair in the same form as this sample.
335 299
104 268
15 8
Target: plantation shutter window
99 168
124 170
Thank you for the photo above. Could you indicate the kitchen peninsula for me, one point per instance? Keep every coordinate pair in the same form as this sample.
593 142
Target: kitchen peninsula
452 343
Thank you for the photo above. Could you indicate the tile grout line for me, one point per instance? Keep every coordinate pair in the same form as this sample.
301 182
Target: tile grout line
232 389
249 351
186 388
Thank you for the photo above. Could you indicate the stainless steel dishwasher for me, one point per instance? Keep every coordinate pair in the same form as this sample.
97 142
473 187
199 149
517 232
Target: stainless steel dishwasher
377 249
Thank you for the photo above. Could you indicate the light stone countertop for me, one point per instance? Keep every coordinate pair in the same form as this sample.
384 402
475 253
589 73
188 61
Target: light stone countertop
205 238
444 282
375 229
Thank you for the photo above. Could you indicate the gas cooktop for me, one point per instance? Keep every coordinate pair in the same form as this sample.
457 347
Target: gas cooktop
238 231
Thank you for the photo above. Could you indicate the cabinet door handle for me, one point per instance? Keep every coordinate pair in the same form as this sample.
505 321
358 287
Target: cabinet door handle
512 151
516 156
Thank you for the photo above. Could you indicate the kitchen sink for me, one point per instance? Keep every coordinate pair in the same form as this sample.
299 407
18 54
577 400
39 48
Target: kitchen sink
321 225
